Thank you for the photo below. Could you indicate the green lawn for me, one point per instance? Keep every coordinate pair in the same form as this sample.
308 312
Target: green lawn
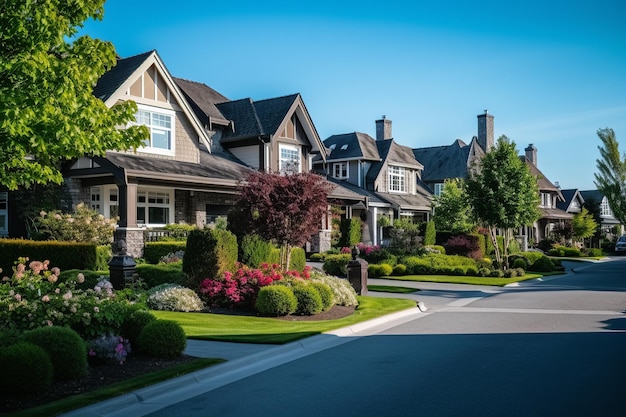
247 329
392 289
453 279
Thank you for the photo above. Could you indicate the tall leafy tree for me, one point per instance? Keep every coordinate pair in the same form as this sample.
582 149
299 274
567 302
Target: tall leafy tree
47 110
453 212
583 225
611 175
503 193
286 209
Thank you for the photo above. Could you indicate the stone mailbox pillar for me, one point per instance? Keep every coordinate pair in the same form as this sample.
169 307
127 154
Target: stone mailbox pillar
121 267
357 273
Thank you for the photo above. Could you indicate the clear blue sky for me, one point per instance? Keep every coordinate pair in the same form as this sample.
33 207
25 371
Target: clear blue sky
551 72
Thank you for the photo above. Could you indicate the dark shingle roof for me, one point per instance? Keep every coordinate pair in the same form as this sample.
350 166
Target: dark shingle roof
568 196
392 154
255 118
116 76
407 201
442 162
594 195
202 98
353 145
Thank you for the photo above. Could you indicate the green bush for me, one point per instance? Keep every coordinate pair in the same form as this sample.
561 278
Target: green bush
520 263
326 294
543 264
472 271
430 234
399 269
309 300
520 272
26 369
154 251
67 350
497 273
162 339
64 255
510 273
337 264
103 257
134 324
344 293
298 259
595 252
276 300
317 257
254 250
163 273
459 272
350 232
209 253
9 336
91 277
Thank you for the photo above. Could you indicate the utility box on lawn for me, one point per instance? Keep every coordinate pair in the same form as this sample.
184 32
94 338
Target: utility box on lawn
357 273
121 267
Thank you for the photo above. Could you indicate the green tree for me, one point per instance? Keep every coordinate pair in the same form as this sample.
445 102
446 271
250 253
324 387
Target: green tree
503 193
48 112
430 233
611 175
583 225
453 212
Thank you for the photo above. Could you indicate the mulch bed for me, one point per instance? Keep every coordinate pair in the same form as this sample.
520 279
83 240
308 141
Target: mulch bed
100 376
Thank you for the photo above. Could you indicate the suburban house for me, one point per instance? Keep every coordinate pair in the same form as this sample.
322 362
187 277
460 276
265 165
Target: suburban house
572 202
385 173
609 225
201 146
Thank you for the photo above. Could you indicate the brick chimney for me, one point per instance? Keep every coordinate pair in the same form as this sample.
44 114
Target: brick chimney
383 129
531 154
485 130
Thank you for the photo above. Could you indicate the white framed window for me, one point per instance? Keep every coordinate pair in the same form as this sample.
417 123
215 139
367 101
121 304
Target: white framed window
546 200
340 170
154 207
160 123
438 188
397 179
4 214
605 209
94 200
289 158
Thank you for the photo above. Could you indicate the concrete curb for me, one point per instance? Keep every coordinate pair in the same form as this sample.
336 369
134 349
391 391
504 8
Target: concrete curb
155 397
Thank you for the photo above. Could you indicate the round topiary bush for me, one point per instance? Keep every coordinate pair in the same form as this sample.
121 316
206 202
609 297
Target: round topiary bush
543 264
520 263
67 350
276 300
26 369
326 294
399 269
385 269
134 324
162 339
309 300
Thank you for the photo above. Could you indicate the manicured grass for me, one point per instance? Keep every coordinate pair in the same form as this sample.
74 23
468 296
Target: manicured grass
453 279
83 400
247 329
392 289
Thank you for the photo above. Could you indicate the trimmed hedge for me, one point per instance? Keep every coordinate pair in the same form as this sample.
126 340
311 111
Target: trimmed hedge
154 275
276 300
209 253
64 255
26 369
154 251
254 250
162 339
337 264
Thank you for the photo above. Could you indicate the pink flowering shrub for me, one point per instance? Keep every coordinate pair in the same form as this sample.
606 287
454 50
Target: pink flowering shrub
241 288
108 347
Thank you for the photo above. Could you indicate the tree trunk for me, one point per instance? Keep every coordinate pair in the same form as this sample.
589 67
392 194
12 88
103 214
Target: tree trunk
285 256
496 248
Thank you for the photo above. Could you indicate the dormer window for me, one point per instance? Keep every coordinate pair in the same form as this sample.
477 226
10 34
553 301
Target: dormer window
289 159
340 170
546 200
160 122
344 147
397 181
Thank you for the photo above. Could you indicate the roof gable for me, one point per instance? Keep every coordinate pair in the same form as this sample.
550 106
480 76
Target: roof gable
391 154
444 162
203 100
350 146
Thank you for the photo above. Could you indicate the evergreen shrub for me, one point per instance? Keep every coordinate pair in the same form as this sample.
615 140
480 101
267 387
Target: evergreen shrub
254 250
276 300
399 269
154 251
66 348
520 263
134 324
326 294
309 300
26 369
337 264
163 273
209 253
543 264
344 293
162 339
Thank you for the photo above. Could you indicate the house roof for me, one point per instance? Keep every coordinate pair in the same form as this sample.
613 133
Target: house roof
203 100
256 118
595 195
363 193
348 146
113 79
407 201
543 183
554 213
444 162
391 154
569 196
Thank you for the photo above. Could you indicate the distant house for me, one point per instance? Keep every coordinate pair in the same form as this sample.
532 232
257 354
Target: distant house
609 225
383 171
572 202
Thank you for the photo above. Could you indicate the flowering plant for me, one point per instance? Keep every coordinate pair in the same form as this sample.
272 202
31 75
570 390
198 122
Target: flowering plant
84 225
108 347
242 287
34 296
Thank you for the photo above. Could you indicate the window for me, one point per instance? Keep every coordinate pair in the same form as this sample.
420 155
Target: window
289 158
340 170
114 211
438 188
153 207
4 214
546 200
397 179
161 126
95 199
605 210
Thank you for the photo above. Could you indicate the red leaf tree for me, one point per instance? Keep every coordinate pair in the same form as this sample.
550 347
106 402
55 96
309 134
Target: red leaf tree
284 209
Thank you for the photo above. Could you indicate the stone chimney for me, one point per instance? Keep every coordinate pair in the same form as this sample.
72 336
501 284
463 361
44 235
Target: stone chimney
485 130
531 154
383 129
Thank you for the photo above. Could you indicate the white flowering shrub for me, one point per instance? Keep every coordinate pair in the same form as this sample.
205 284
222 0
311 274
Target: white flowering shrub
172 297
344 294
84 225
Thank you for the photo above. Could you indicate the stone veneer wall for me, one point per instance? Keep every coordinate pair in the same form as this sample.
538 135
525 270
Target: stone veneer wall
134 238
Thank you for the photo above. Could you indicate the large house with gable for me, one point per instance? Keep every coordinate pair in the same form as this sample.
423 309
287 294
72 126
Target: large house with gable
609 225
384 172
201 146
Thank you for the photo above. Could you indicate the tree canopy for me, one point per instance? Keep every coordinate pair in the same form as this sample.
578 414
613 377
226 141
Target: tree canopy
453 212
48 112
286 209
503 193
611 175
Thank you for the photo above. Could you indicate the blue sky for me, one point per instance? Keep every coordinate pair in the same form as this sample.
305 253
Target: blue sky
551 72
